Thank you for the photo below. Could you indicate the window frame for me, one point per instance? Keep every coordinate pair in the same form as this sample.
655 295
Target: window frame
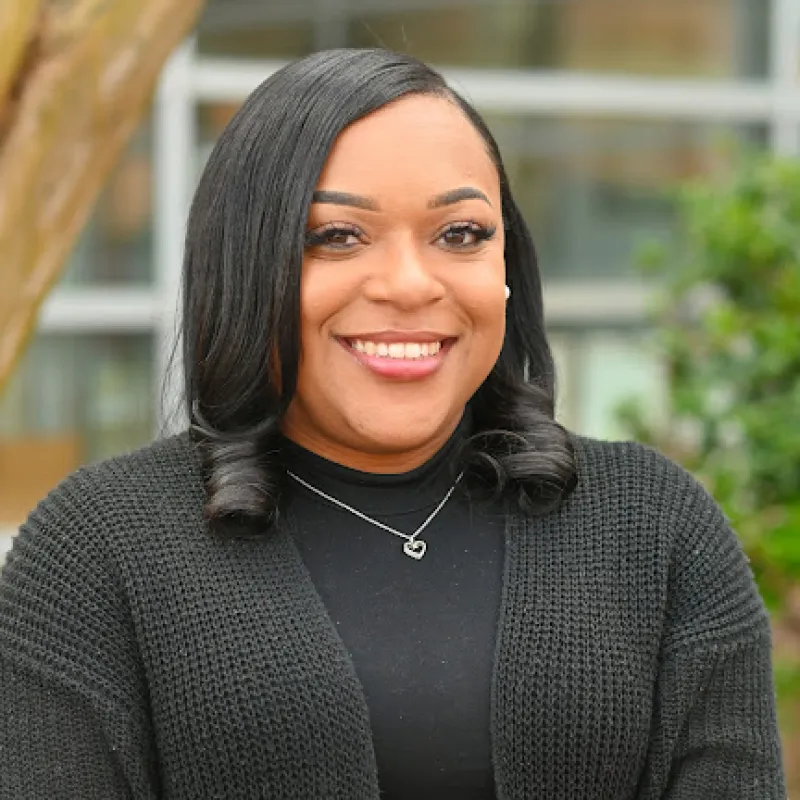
189 80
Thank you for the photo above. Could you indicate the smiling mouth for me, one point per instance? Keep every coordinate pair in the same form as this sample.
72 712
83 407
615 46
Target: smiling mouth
399 350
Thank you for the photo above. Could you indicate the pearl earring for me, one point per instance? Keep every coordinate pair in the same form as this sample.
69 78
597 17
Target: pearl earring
508 292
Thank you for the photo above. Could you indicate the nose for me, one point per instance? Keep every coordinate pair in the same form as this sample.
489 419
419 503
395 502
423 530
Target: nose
404 278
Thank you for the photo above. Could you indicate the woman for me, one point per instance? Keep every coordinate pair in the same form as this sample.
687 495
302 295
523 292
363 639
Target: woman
376 565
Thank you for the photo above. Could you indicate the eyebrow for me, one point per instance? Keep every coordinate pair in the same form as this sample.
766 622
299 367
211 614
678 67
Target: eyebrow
359 201
458 195
344 199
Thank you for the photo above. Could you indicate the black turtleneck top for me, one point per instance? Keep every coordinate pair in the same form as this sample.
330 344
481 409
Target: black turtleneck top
421 634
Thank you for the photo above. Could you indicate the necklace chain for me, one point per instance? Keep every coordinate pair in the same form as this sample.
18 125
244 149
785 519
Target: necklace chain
413 547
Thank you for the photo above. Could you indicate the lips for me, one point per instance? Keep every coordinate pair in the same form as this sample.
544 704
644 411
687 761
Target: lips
398 355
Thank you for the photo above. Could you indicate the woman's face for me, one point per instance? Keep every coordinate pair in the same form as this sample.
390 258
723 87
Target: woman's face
403 304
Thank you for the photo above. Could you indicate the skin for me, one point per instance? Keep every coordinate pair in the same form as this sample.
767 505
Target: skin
393 262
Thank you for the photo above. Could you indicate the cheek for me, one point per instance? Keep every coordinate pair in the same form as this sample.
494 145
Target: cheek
490 328
313 311
487 311
484 302
317 295
324 291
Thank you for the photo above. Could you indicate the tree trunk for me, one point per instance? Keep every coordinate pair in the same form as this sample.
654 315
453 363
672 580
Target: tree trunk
75 80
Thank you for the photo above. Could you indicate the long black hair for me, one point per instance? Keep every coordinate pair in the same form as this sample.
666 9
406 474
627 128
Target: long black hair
241 294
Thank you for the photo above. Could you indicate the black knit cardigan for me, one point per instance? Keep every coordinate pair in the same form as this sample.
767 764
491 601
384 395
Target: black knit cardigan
141 657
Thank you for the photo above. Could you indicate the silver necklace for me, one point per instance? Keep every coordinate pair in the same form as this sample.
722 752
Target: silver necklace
413 547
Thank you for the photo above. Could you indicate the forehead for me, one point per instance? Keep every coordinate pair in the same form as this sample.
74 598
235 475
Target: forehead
419 140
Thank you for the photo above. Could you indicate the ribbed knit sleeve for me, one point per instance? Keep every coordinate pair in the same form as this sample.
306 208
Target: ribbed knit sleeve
74 721
715 729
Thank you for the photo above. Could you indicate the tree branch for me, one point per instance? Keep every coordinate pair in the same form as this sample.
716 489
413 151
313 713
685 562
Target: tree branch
75 82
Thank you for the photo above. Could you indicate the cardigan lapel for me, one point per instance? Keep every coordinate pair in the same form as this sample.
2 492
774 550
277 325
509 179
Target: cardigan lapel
306 605
502 715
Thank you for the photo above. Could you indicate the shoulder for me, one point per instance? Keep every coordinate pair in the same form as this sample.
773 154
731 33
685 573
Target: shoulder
669 515
62 585
632 495
639 480
165 468
111 499
600 461
163 465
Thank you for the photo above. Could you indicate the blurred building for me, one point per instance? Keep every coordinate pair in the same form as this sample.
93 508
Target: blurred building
600 107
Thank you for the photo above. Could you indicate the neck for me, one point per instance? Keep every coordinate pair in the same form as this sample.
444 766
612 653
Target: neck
381 462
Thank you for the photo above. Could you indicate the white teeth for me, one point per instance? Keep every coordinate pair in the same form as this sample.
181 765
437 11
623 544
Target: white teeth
410 350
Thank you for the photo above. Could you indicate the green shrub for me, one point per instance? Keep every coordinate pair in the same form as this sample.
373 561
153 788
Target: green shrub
728 322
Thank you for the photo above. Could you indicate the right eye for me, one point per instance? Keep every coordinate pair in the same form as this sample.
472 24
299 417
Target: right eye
337 237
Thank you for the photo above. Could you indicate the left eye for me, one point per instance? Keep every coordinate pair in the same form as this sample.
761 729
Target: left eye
466 235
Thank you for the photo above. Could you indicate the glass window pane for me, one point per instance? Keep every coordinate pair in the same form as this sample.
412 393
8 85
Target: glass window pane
258 33
116 246
593 189
74 399
720 38
562 347
601 368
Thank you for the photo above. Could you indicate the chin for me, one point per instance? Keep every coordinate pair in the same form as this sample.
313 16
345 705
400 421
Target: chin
398 433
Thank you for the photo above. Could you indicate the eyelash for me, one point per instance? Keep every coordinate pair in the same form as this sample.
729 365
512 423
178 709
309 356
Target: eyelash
480 232
322 237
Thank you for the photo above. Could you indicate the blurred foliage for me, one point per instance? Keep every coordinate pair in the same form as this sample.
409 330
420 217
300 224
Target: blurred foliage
728 323
787 687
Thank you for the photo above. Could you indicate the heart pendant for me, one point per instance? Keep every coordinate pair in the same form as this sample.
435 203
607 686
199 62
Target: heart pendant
415 548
